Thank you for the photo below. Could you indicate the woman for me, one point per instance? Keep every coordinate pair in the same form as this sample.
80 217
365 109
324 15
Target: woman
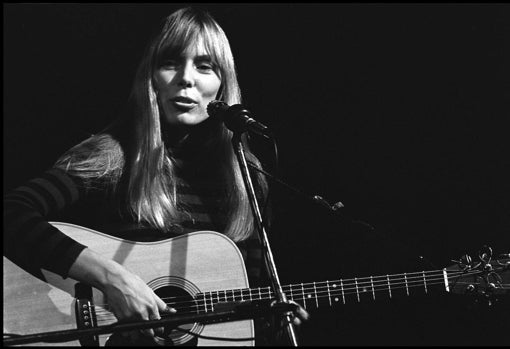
162 169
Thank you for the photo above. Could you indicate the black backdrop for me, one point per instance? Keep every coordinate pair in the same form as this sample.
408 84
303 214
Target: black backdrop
397 110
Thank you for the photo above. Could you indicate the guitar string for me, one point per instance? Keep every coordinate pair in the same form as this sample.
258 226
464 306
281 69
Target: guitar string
347 287
244 293
410 281
110 316
320 294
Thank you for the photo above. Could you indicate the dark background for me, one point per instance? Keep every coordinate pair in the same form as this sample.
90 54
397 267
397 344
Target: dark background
399 111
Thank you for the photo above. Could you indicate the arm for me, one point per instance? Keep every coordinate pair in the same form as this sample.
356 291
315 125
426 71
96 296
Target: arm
34 244
128 295
29 240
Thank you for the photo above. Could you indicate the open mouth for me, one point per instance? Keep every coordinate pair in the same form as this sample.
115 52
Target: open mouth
184 103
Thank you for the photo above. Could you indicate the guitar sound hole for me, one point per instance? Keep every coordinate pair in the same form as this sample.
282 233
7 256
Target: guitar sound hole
184 303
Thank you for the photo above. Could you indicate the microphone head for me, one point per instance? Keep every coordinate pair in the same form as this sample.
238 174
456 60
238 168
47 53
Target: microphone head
216 108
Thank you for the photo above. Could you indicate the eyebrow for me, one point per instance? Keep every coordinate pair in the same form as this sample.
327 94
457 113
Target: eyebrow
204 57
167 55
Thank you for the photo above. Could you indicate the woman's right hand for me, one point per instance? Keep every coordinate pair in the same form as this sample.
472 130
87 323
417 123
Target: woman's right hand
130 299
128 296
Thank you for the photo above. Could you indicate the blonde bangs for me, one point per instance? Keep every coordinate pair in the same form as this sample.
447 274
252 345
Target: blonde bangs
192 30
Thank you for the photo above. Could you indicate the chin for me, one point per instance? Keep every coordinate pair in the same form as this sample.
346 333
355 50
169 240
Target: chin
186 120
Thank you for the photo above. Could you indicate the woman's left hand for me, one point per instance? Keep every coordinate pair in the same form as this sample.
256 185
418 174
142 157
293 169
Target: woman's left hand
299 315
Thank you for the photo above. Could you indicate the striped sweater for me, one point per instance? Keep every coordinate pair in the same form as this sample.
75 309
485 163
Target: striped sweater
34 244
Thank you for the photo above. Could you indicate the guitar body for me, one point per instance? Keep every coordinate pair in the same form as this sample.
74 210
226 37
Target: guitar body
193 263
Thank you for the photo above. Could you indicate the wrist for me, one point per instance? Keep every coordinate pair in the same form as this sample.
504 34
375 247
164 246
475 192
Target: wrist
95 270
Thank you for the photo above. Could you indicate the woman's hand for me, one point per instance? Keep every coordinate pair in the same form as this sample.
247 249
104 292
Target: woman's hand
128 296
130 299
299 315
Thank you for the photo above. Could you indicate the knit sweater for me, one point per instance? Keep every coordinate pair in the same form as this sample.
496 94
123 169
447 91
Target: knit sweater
34 244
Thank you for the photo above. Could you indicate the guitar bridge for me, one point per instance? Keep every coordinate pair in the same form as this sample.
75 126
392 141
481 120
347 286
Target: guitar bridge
85 313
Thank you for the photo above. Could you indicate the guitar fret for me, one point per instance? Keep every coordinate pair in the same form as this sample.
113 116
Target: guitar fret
225 293
249 291
407 288
424 281
316 299
372 283
205 303
218 296
389 287
445 276
212 303
233 296
342 288
291 295
357 291
242 296
329 293
260 294
304 298
269 289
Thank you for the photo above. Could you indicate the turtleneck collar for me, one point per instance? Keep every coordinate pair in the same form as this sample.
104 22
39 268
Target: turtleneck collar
195 147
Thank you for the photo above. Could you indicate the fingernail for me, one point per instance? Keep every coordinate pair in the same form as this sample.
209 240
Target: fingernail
170 310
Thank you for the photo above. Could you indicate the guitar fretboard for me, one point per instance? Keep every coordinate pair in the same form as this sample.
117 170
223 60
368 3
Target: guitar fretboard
342 291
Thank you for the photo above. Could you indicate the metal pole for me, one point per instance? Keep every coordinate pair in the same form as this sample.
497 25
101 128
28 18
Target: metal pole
268 256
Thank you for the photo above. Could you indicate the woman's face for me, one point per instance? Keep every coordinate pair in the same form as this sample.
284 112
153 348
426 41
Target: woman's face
185 85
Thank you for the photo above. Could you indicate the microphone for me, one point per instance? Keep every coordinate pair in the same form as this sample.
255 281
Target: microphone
237 118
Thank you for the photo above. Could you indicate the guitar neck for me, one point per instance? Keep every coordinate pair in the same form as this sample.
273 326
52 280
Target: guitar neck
342 291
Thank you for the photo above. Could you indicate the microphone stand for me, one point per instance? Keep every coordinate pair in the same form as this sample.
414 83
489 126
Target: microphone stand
268 256
239 311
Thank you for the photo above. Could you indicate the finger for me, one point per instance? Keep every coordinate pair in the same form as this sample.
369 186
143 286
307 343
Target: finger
296 321
170 310
300 311
148 332
167 311
302 314
151 332
163 307
154 315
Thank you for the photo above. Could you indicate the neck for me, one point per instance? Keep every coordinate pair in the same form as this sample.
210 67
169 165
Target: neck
176 136
193 146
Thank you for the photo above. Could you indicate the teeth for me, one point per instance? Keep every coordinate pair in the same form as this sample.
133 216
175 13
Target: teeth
182 100
184 105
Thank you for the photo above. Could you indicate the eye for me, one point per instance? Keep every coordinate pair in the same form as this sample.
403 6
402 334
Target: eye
205 66
168 64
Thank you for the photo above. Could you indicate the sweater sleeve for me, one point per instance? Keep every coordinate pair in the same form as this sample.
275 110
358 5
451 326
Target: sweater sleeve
29 240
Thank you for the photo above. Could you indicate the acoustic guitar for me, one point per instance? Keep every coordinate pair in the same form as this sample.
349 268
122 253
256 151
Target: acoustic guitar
198 272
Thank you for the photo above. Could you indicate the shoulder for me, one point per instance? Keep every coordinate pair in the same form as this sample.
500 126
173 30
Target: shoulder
102 143
101 153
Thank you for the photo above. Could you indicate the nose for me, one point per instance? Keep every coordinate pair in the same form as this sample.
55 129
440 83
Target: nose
186 75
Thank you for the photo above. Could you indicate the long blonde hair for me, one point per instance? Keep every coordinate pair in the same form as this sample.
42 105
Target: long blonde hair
140 158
